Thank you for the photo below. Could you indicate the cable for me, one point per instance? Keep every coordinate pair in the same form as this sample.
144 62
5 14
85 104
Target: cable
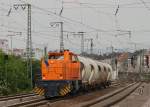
50 12
106 5
46 35
108 14
144 3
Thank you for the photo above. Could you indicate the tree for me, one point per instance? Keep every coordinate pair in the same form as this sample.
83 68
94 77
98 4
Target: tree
13 74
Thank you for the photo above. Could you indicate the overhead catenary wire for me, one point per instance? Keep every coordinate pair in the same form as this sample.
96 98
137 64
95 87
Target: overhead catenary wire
47 11
18 28
69 19
97 11
33 20
145 5
70 22
94 29
97 30
104 5
45 34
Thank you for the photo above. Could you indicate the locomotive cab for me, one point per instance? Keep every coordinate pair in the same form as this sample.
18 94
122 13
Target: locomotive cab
61 66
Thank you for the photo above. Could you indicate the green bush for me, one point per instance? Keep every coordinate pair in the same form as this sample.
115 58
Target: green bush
14 77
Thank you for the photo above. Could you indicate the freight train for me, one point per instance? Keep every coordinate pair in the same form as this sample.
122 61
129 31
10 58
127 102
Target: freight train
64 73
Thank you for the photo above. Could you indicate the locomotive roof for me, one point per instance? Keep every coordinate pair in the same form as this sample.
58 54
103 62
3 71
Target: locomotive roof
60 53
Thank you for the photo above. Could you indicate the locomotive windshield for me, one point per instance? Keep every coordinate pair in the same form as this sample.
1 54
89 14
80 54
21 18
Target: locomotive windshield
58 57
74 58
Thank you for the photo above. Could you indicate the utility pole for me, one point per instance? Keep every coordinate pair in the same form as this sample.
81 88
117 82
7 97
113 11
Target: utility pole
112 49
81 34
91 45
141 60
99 51
29 39
55 24
29 44
111 55
82 41
11 39
11 46
61 37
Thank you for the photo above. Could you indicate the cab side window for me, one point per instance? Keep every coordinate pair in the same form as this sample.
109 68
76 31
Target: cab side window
74 58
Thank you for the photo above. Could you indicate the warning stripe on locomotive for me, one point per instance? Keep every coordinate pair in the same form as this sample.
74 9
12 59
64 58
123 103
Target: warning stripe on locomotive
65 90
39 91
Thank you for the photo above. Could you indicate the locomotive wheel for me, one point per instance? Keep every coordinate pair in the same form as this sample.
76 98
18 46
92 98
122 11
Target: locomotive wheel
104 85
107 84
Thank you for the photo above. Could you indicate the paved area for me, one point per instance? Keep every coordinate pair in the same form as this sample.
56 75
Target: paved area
147 104
139 98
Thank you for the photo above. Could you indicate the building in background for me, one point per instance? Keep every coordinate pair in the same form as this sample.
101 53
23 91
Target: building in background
18 52
38 53
4 45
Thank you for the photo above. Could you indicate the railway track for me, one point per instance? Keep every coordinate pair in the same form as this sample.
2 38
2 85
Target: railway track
34 101
15 95
4 98
116 83
13 100
29 103
53 102
37 101
112 98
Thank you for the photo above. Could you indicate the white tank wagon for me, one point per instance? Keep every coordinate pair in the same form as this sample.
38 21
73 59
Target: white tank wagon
108 70
85 69
66 73
103 71
94 72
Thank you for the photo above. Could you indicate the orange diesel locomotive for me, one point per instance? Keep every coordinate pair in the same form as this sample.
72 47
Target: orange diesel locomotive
59 74
65 72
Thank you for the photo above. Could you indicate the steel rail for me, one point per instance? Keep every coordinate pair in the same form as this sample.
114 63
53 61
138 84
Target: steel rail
105 101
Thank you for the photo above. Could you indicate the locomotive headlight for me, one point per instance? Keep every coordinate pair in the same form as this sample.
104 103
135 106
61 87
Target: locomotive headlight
60 76
44 77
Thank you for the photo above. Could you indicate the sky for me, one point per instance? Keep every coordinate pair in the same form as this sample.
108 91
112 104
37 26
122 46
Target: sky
117 23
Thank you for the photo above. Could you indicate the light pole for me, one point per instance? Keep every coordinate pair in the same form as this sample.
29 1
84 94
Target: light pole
11 38
55 24
29 38
91 44
11 42
81 34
